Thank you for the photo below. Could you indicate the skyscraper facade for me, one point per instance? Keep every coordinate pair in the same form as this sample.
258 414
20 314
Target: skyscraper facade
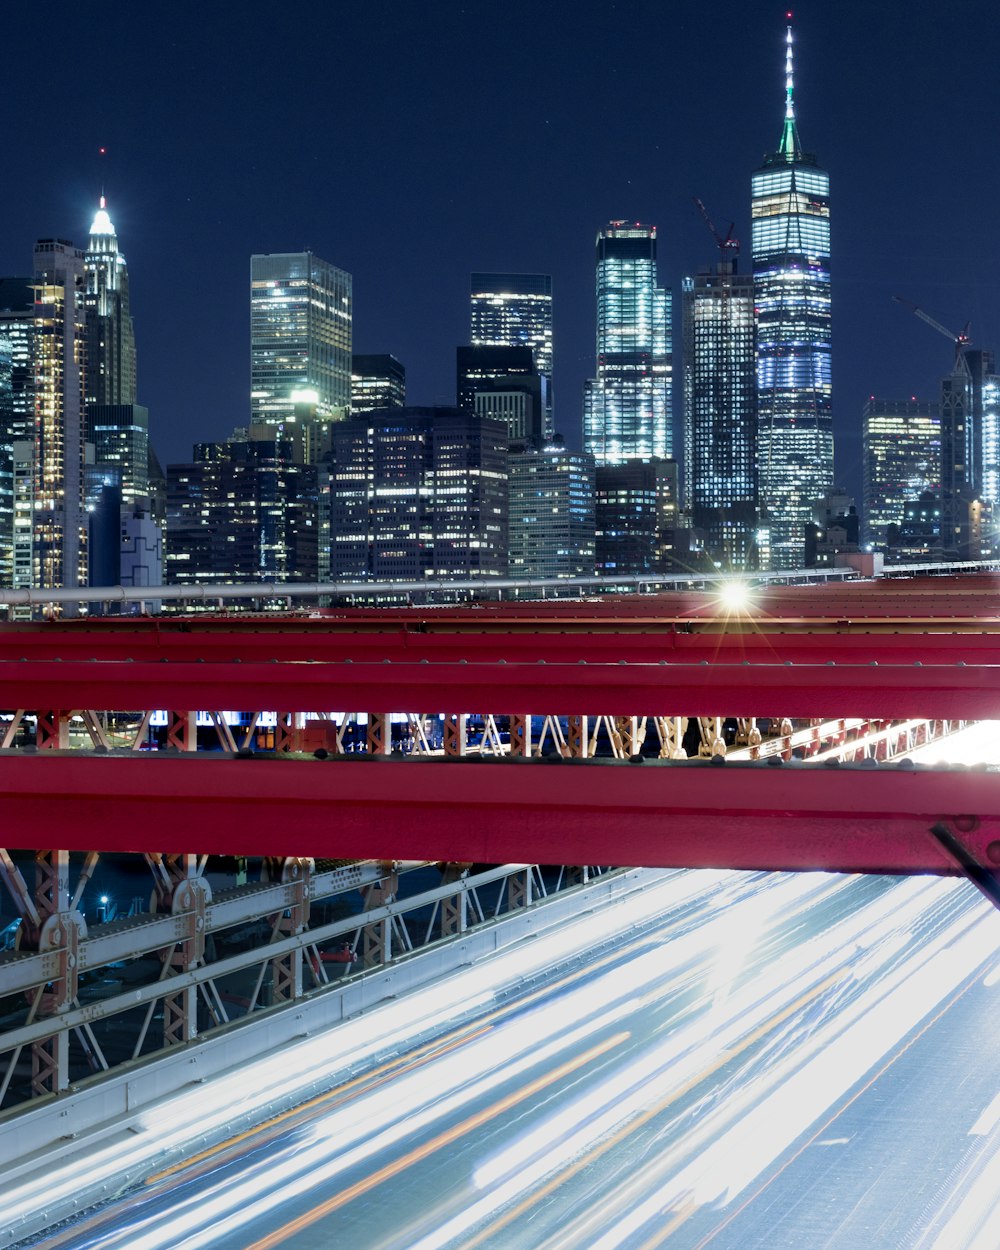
17 421
901 459
300 335
110 352
418 494
503 383
515 310
551 513
377 382
628 405
59 557
720 413
243 510
636 517
791 270
960 460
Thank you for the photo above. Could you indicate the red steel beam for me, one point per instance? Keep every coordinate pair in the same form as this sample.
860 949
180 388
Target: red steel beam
658 814
610 644
954 692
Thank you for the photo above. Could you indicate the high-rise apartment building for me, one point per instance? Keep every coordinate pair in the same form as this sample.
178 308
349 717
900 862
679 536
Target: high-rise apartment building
377 382
628 406
551 513
791 270
418 495
110 351
59 556
515 310
300 335
901 459
720 413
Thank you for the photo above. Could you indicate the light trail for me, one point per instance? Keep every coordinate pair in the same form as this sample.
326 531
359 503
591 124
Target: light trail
646 1099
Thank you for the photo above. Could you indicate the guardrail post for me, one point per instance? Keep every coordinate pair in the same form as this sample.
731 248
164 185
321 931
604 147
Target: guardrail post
286 970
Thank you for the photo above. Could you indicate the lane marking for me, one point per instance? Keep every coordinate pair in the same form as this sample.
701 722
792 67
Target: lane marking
445 1138
644 1117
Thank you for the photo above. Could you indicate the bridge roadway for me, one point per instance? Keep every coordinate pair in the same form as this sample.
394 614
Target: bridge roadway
767 1062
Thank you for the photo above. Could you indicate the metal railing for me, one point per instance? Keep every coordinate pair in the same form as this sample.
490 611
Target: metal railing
109 1026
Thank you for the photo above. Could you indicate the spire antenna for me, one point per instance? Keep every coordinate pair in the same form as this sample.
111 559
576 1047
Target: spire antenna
789 147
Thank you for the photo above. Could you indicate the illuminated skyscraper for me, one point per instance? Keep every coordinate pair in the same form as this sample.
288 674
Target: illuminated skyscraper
720 413
627 407
901 441
515 310
110 360
551 512
60 528
300 335
791 269
17 423
377 382
418 495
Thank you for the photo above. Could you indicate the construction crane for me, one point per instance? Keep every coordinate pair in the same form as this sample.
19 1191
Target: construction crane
728 246
960 340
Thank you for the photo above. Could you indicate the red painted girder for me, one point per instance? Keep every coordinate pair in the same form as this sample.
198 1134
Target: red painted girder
601 644
798 690
655 814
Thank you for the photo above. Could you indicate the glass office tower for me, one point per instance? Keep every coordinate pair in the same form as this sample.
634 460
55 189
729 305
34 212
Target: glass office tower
901 441
627 408
300 336
791 270
720 413
515 310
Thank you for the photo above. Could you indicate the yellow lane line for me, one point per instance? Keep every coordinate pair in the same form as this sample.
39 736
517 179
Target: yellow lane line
331 1099
644 1117
445 1138
403 1063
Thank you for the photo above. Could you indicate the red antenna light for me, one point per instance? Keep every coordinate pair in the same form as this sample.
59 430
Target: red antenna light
102 151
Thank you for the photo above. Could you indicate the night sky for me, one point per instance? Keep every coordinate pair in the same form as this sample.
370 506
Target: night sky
413 143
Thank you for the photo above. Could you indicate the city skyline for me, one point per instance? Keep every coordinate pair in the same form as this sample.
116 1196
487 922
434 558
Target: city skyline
177 206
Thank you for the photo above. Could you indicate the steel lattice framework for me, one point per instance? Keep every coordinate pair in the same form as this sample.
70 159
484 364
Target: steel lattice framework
565 731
